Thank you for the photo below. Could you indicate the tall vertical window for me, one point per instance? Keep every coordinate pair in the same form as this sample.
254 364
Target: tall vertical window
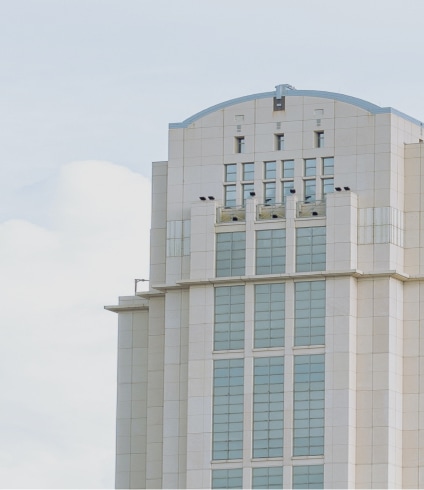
327 186
287 178
279 142
328 172
308 405
319 139
247 190
270 251
229 318
270 169
270 172
248 172
240 144
269 192
269 315
287 187
227 435
230 195
248 180
310 190
230 254
309 324
268 477
231 478
310 249
310 167
328 166
288 169
308 476
230 190
231 172
268 407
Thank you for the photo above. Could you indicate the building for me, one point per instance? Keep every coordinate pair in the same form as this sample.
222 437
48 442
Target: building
279 344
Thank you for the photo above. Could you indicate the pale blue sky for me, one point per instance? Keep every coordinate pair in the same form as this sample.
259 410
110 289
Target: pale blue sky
98 81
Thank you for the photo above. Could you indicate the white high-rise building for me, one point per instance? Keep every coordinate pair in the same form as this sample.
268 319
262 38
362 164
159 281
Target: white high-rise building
279 344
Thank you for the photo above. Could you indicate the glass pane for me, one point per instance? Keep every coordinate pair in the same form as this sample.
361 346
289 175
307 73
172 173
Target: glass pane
280 142
248 171
288 169
270 170
227 437
287 186
327 186
231 173
269 192
247 189
310 190
328 166
240 145
230 195
310 167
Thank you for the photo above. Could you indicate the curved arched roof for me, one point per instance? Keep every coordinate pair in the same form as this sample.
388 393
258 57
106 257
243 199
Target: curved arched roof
288 91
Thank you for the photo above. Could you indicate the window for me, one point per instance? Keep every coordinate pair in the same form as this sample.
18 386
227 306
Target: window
227 435
240 144
269 315
310 249
268 407
230 195
232 478
269 192
248 171
270 169
230 254
310 167
327 186
287 186
270 251
308 405
328 166
319 139
231 172
310 190
271 477
288 169
308 476
309 323
279 142
229 318
247 189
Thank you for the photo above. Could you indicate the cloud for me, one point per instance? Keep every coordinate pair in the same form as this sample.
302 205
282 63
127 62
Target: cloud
57 344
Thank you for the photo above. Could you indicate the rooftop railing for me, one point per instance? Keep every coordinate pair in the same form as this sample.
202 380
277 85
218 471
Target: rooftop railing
313 209
270 211
228 214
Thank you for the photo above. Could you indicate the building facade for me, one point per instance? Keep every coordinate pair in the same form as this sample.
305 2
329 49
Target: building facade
279 344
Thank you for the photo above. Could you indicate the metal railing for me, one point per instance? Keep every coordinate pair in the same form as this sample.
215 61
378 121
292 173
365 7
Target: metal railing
313 209
228 214
270 211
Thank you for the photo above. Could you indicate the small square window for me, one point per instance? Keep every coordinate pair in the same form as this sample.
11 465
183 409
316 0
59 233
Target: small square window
279 142
240 144
319 139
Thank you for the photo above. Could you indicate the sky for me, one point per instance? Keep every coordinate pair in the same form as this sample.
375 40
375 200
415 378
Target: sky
87 89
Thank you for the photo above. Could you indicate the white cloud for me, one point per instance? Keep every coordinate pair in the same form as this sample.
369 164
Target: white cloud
57 344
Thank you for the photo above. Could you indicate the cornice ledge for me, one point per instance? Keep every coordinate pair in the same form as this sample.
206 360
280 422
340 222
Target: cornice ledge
120 308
